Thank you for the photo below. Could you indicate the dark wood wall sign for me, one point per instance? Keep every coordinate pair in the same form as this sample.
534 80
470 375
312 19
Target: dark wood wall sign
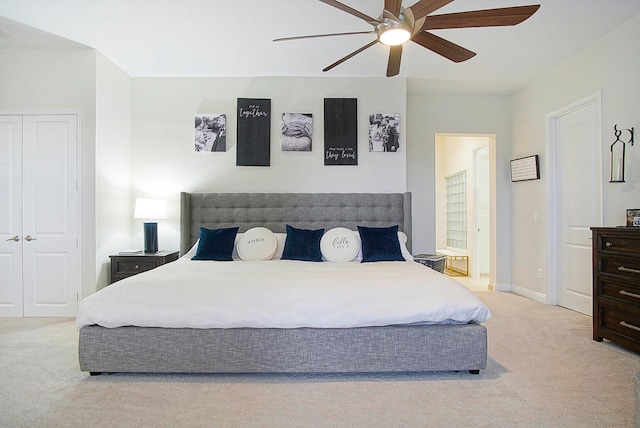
254 132
340 131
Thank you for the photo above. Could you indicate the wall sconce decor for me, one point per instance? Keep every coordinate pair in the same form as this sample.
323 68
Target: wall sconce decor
617 155
150 209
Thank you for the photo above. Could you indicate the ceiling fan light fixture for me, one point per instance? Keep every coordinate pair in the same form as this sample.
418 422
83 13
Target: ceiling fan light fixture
394 36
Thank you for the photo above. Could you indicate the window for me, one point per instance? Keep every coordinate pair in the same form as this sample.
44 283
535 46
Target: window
457 210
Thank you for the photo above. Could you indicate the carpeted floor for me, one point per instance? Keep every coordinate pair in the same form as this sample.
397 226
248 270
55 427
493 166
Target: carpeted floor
543 371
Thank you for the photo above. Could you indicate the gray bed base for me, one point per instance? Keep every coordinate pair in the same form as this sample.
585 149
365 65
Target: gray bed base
299 350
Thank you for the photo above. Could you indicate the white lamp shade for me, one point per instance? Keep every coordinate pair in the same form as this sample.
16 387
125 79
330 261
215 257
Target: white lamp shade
150 208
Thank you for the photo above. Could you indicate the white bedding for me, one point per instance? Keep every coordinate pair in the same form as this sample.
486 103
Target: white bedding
282 294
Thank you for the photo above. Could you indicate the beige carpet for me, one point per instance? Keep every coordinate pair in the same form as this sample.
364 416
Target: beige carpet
543 371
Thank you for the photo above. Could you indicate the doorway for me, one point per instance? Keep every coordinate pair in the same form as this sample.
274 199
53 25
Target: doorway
474 154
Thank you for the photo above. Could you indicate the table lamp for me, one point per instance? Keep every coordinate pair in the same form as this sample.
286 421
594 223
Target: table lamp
150 209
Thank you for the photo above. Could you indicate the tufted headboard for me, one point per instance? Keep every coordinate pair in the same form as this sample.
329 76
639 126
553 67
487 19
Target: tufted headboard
302 210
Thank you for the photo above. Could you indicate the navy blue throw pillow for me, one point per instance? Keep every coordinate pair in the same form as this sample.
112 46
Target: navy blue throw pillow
380 244
216 244
302 244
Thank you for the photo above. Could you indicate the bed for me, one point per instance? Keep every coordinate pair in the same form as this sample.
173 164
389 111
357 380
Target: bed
307 347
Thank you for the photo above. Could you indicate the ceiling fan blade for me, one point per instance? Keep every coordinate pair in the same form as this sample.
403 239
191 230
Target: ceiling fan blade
393 6
480 18
395 55
352 11
322 35
351 55
425 7
443 47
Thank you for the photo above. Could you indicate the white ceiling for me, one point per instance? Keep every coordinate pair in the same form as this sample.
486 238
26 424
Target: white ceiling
234 38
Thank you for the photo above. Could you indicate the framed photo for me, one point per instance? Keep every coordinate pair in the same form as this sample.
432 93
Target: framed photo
633 218
527 168
297 130
210 133
384 132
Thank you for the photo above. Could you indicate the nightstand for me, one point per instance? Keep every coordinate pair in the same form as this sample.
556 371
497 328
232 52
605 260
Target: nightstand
125 265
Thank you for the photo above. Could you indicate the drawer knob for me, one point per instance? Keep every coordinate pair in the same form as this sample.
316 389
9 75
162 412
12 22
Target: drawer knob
137 267
608 244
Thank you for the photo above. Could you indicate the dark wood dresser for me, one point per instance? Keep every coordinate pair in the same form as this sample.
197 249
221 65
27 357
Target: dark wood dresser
616 285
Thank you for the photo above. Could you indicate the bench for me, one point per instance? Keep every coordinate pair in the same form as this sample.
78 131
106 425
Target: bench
451 257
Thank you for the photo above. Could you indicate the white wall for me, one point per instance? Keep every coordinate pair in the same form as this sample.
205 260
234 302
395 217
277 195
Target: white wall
164 162
611 65
59 79
114 99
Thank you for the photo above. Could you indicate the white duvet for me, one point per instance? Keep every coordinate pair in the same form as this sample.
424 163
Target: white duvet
282 294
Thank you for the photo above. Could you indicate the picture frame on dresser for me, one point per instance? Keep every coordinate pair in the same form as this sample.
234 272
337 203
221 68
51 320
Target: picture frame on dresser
633 217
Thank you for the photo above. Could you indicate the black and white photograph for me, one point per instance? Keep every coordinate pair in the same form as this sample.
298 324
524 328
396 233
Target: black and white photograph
211 133
297 129
384 132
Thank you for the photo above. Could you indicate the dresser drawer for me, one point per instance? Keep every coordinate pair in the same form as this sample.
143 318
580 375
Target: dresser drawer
619 290
622 266
134 266
626 324
123 266
608 243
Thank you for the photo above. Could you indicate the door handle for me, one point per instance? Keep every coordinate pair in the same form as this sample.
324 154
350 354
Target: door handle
29 238
15 238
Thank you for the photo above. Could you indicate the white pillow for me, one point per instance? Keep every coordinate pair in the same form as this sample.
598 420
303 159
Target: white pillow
402 237
258 243
192 251
339 245
280 238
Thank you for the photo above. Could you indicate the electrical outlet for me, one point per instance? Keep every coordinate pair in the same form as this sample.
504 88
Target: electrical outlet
540 273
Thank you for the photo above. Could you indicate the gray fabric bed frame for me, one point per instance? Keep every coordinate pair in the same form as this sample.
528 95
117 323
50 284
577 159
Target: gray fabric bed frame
299 350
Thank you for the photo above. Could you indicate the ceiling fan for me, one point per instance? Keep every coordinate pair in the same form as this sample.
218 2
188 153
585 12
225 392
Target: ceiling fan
397 25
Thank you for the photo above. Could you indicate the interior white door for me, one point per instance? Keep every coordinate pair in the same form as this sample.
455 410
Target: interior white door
579 202
11 216
50 215
39 219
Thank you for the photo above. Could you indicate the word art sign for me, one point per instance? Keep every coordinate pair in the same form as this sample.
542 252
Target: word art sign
254 132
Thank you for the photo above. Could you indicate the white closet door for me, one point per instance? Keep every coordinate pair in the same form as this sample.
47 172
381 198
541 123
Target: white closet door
50 215
11 216
579 204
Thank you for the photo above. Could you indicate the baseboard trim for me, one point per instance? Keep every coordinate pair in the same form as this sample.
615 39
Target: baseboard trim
533 295
500 287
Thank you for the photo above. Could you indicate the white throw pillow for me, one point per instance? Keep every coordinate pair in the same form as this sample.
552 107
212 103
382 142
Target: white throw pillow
258 243
280 238
339 245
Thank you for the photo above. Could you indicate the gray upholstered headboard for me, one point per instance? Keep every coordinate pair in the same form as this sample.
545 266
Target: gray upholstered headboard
302 210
